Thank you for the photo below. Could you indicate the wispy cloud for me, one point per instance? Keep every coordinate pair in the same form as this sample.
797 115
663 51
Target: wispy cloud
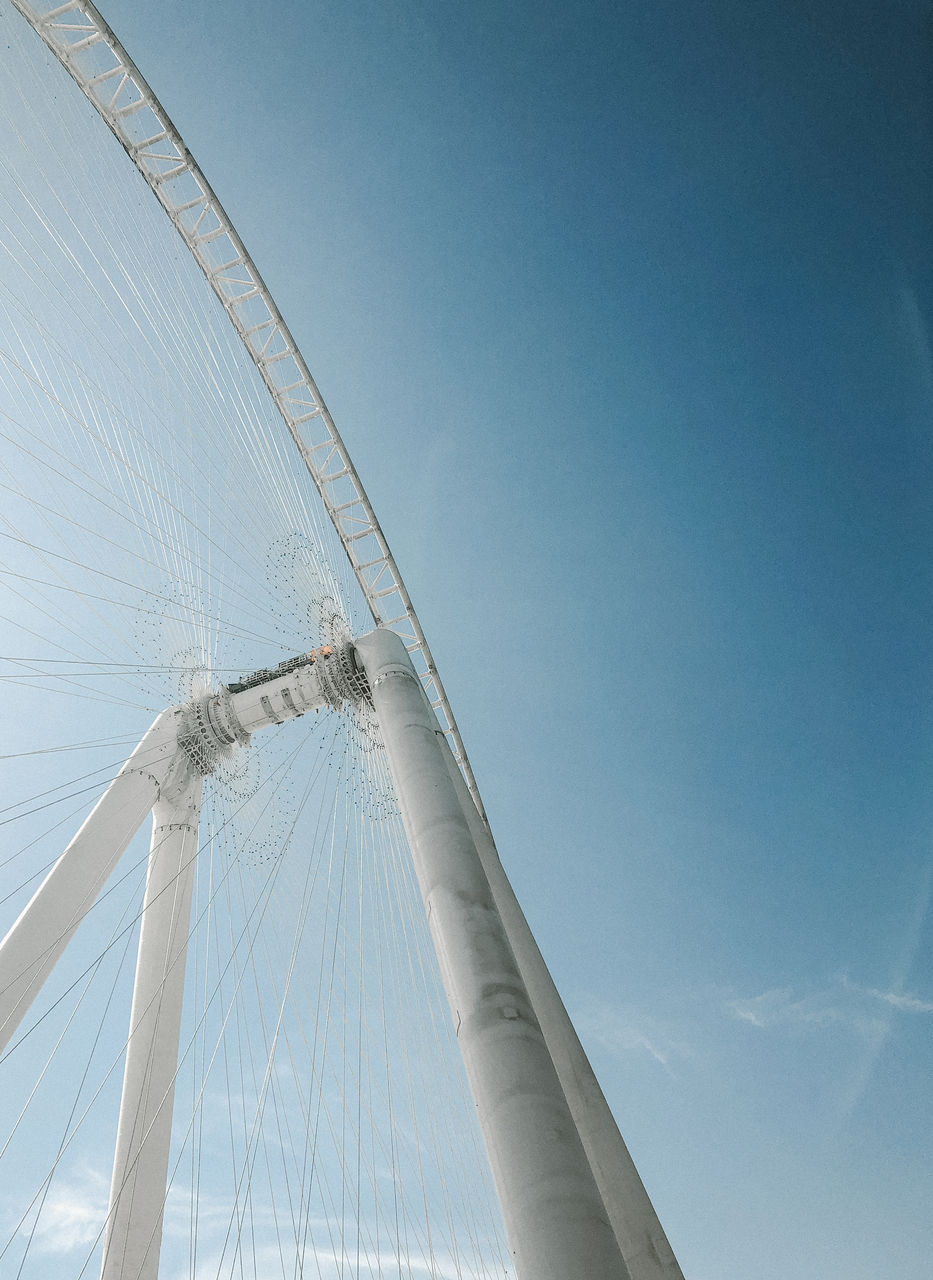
628 1032
908 1003
841 1004
73 1213
329 1264
867 1015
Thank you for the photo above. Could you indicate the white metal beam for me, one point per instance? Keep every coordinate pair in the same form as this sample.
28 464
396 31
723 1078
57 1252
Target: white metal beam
30 950
140 1170
557 1224
645 1247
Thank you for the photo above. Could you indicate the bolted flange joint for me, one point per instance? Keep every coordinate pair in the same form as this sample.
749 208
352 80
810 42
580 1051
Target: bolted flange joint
344 677
210 731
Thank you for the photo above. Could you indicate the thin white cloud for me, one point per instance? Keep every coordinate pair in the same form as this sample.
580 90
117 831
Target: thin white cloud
893 999
781 1007
73 1213
866 1015
328 1264
907 1003
628 1032
842 1004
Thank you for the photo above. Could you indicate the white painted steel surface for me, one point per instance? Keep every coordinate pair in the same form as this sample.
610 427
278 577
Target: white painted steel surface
140 1170
164 774
33 945
645 1247
556 1220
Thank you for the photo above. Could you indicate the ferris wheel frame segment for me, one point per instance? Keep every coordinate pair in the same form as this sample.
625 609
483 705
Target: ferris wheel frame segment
87 48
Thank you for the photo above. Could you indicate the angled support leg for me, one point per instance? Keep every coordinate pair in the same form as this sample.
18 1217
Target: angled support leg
138 1188
645 1247
33 945
557 1223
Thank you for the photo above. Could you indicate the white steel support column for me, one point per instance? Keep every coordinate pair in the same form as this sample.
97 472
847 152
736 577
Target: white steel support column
33 945
138 1188
645 1247
557 1223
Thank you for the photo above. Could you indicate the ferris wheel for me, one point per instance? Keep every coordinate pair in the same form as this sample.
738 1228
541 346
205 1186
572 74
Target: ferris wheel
185 537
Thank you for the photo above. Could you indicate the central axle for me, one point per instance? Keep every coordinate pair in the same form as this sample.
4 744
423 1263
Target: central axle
215 723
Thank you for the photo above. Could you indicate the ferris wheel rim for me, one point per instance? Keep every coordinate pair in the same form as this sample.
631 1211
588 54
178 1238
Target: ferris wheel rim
123 98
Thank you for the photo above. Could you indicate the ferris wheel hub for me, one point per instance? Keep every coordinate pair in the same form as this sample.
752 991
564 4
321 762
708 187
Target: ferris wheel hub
216 723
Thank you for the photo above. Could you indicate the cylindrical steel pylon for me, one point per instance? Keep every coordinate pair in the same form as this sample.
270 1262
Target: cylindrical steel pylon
557 1223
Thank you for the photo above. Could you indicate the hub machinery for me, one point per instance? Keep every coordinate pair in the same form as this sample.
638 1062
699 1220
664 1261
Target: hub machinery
214 724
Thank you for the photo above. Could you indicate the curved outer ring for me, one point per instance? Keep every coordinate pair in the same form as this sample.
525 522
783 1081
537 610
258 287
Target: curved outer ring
87 48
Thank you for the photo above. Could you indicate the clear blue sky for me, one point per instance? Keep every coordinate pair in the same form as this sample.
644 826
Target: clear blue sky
624 312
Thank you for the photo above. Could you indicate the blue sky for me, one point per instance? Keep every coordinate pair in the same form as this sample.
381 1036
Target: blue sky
624 313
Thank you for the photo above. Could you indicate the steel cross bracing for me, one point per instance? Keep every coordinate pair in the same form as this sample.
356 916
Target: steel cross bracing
85 45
